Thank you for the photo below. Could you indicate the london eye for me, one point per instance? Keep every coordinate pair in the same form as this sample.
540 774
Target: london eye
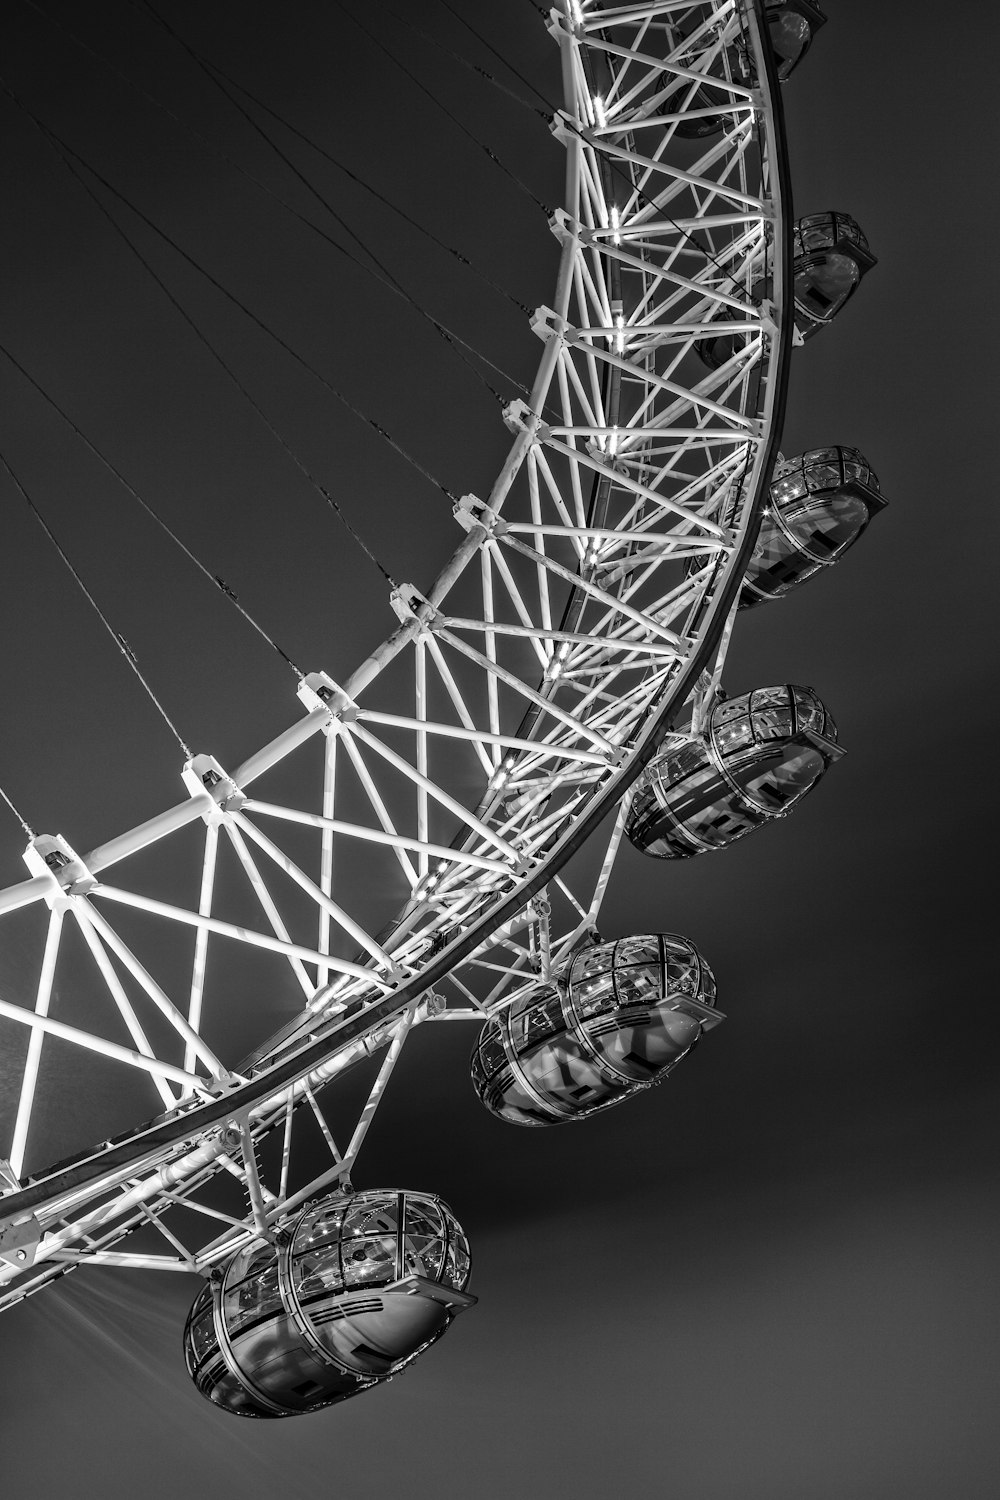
429 841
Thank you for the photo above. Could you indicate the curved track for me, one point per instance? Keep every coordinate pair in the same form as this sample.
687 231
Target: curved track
584 614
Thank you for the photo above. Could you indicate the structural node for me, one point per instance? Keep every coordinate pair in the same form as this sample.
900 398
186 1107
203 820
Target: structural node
757 758
619 1018
355 1287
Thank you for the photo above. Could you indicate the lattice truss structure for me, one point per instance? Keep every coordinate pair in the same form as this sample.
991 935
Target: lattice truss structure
403 853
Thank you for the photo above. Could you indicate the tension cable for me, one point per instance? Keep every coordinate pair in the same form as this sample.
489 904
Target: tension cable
119 640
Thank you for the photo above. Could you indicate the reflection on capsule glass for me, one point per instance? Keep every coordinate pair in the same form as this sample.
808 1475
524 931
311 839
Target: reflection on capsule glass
818 505
354 1289
618 1020
760 755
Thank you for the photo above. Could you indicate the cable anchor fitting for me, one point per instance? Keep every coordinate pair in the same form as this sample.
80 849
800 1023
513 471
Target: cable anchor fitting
49 854
205 779
318 692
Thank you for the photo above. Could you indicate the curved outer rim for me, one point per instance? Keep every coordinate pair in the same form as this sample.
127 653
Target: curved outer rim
152 1147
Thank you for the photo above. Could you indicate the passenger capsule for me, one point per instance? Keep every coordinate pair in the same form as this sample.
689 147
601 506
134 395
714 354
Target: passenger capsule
759 756
818 505
830 255
791 26
354 1289
621 1016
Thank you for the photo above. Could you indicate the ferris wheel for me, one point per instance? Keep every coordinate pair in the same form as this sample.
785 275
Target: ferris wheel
432 838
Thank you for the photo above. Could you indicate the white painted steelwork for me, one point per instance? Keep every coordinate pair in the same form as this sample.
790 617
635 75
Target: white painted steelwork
567 633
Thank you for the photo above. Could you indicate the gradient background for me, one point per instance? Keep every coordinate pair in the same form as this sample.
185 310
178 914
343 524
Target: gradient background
773 1279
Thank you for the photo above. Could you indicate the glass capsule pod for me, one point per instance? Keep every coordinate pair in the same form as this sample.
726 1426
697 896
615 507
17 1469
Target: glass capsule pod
791 26
619 1018
760 754
830 256
818 505
354 1288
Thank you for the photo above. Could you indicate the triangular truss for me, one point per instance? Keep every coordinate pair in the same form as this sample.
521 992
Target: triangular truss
405 851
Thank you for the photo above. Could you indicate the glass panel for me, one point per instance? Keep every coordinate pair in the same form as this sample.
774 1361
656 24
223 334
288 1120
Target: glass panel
820 456
783 781
787 487
732 737
544 1019
201 1335
810 713
700 790
814 232
317 1271
822 289
368 1242
491 1054
773 723
641 949
251 1288
640 985
790 36
423 1239
508 1098
595 960
777 565
732 709
823 476
641 1051
594 995
458 1262
723 822
682 974
320 1227
826 529
768 697
568 1074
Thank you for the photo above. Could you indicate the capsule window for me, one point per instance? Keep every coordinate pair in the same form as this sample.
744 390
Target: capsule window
823 288
790 36
491 1051
251 1291
423 1241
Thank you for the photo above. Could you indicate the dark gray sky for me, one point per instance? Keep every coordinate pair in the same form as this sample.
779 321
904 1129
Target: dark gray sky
774 1278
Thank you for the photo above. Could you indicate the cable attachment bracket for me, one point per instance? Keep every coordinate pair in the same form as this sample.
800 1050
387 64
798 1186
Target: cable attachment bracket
471 513
205 779
318 691
49 854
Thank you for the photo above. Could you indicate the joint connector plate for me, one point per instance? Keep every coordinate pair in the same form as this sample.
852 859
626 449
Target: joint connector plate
471 512
565 131
563 226
203 776
319 691
50 854
410 604
467 511
19 1240
547 324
